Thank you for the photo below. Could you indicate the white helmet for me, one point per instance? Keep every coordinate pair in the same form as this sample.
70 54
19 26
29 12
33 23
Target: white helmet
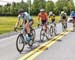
42 10
50 13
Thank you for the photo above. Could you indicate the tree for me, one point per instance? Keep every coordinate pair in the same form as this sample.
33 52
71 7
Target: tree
0 9
66 5
38 4
29 6
50 6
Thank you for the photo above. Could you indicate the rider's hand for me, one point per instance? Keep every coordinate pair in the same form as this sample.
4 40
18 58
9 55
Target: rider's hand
38 25
15 29
20 25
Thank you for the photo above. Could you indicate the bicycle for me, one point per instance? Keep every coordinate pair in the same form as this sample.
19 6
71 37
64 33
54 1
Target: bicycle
44 33
64 24
21 42
53 29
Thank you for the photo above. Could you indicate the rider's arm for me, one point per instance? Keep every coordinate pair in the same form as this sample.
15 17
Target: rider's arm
18 21
39 18
46 17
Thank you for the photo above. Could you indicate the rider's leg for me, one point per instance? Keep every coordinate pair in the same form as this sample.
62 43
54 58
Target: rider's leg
31 23
62 26
45 25
27 27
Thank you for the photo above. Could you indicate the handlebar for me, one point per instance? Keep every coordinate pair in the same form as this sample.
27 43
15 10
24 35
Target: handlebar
18 28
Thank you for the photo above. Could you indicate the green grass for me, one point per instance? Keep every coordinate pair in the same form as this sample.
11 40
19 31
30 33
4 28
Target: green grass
7 23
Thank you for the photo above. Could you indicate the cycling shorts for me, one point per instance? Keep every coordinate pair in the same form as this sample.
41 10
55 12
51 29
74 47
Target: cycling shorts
44 22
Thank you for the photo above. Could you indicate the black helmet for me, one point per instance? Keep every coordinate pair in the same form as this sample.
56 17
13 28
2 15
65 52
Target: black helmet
20 11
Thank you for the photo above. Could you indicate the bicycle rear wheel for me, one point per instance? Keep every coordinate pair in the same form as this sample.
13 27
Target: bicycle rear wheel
20 43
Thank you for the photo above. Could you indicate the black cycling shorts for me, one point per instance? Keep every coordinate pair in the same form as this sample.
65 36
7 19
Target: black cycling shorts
25 21
53 20
43 22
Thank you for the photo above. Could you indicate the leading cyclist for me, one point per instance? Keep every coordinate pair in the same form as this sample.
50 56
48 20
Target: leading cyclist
27 22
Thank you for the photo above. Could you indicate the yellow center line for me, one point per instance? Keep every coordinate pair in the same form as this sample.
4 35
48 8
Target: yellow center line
37 49
45 47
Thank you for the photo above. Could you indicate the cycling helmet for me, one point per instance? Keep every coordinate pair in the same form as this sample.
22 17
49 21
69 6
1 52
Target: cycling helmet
53 14
50 13
42 10
72 12
73 15
20 11
62 12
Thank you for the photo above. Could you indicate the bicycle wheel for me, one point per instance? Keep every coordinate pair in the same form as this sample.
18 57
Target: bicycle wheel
47 33
42 35
20 43
51 31
55 30
30 43
63 27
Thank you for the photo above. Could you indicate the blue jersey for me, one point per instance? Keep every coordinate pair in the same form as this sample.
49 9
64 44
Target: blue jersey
25 16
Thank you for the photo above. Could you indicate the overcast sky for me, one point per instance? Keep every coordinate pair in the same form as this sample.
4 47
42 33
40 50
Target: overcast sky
3 2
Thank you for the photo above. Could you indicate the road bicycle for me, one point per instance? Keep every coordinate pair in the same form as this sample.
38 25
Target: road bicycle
21 42
53 29
44 33
64 24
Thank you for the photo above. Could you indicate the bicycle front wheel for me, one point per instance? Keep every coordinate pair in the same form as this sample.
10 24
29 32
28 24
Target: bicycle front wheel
32 38
20 43
42 35
51 31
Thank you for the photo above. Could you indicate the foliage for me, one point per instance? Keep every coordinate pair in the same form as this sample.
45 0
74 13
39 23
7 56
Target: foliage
12 9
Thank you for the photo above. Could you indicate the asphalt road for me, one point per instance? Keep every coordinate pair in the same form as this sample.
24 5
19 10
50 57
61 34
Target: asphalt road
61 50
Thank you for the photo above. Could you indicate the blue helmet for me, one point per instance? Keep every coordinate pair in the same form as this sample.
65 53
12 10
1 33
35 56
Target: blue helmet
73 15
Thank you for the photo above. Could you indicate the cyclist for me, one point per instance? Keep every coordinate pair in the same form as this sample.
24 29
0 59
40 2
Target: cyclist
27 22
70 18
52 17
73 16
43 18
63 16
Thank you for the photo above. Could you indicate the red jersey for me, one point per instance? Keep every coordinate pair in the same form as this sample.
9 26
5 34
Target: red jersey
42 16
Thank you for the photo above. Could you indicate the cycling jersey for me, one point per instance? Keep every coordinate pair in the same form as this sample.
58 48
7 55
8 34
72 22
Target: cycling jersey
42 16
52 17
25 16
63 16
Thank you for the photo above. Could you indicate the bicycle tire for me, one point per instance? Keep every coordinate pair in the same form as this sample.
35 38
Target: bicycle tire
30 43
41 35
51 30
20 36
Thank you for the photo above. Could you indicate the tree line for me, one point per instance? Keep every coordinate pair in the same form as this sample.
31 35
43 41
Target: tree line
33 8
